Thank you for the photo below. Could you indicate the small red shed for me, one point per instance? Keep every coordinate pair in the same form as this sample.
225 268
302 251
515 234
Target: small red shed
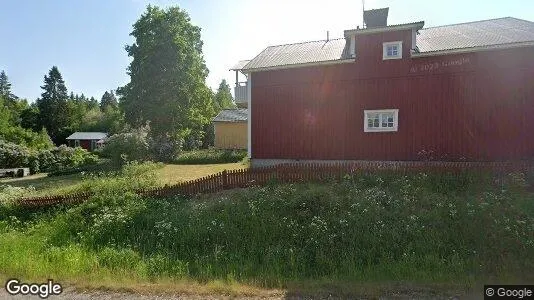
396 93
87 140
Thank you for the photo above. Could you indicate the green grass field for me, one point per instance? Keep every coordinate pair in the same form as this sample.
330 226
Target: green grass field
364 236
166 174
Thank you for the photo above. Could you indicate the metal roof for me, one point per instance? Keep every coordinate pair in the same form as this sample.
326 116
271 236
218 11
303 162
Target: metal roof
300 53
87 136
457 36
475 34
232 115
239 65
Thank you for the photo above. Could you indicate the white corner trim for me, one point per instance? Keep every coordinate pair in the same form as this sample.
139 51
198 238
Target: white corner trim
249 114
383 111
474 49
353 46
414 38
384 50
312 64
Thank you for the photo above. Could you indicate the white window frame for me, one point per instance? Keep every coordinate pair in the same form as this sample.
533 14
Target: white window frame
76 143
385 46
380 112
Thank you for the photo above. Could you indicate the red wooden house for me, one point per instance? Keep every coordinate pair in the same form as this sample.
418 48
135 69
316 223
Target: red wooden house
395 93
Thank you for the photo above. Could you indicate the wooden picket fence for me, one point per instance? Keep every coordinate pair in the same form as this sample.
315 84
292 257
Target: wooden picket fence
291 173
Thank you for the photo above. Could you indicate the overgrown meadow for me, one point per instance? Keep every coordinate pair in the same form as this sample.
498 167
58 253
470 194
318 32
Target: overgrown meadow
423 228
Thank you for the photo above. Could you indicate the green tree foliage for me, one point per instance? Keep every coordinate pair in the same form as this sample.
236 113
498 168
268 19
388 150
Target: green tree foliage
79 108
29 118
110 120
11 113
53 106
5 87
5 115
108 100
93 103
223 97
167 77
11 132
12 102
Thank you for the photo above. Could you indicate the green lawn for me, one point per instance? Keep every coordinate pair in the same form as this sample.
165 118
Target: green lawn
172 174
168 174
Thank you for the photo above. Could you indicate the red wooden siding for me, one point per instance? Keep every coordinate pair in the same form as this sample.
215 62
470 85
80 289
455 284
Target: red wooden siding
477 106
85 144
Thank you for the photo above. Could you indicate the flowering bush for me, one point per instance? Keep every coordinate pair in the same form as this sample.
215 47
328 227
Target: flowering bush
49 160
14 156
127 146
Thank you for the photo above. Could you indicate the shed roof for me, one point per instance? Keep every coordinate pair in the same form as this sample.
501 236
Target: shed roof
232 115
492 32
87 136
239 65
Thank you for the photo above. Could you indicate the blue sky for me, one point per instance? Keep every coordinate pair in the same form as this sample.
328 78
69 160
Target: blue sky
86 39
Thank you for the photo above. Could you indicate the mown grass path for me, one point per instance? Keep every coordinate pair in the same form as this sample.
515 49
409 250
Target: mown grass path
168 174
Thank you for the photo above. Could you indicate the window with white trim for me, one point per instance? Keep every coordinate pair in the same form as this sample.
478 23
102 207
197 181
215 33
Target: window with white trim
382 120
392 50
76 143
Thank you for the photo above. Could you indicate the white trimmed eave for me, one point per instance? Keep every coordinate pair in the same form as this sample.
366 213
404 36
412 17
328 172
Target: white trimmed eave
417 26
294 66
473 49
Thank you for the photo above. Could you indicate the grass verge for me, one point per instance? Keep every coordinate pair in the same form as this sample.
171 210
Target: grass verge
364 235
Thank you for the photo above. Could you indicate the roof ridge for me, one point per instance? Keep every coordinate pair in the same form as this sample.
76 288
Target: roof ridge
305 42
470 22
519 19
483 46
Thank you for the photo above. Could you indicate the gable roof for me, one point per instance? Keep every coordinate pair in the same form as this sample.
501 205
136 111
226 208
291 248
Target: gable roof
87 136
475 34
484 33
300 53
232 115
